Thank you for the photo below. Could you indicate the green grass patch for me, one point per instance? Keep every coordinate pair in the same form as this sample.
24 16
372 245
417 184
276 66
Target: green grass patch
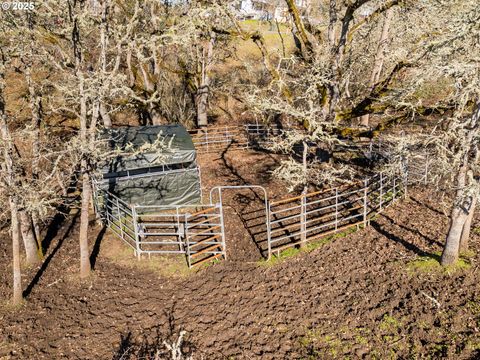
320 346
431 264
473 345
207 264
274 42
308 247
285 254
467 255
389 323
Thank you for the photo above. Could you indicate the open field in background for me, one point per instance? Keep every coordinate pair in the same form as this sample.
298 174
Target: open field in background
247 50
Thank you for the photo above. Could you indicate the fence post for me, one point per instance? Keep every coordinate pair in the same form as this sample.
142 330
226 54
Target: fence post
303 220
381 190
120 222
135 227
336 209
107 211
206 138
426 171
179 232
269 231
189 260
365 199
222 227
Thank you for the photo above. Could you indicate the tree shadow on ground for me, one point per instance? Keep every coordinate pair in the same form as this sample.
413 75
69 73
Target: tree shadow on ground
256 231
429 207
49 258
476 355
61 214
255 203
411 247
52 230
414 231
151 344
96 247
239 179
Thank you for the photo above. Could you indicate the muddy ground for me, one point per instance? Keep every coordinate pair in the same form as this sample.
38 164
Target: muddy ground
366 295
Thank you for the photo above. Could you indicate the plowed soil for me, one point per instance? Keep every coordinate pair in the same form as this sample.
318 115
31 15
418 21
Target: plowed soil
365 295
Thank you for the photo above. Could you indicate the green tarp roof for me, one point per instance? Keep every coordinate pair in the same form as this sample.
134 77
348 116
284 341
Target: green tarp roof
180 152
156 176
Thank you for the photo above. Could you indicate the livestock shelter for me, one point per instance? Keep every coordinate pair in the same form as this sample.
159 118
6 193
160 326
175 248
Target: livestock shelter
151 165
148 192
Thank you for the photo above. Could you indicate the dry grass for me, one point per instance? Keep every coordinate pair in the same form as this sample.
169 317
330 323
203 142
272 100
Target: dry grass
163 265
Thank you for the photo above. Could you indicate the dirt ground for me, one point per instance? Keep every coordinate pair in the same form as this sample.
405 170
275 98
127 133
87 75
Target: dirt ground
373 294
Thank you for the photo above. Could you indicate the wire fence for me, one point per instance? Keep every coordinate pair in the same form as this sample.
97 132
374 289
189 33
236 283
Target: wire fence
297 220
221 138
196 231
257 135
218 139
420 169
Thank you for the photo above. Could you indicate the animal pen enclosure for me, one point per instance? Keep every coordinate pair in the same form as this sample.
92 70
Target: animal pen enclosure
152 201
197 230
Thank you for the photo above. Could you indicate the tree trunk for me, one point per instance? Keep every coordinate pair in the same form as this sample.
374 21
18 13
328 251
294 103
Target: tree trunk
307 47
303 209
466 227
332 38
29 240
107 121
204 88
36 109
12 182
86 191
131 75
155 115
85 265
202 105
458 216
464 205
148 84
38 233
379 58
15 233
452 246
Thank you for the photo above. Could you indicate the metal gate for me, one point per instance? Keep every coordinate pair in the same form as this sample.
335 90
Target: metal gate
219 191
205 235
297 220
193 230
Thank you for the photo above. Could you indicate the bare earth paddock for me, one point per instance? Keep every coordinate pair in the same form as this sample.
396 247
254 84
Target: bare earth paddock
371 294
